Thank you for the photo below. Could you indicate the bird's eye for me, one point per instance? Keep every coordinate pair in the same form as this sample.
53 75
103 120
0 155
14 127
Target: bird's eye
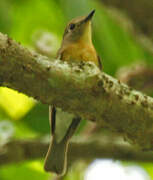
72 26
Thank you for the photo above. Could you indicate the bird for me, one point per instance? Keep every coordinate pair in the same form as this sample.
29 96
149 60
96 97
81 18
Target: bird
76 46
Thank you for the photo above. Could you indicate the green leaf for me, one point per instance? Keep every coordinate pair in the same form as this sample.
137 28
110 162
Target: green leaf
27 170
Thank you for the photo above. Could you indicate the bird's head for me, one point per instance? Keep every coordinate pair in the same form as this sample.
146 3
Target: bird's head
79 29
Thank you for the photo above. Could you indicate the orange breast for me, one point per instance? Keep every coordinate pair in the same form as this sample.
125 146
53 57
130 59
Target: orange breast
80 52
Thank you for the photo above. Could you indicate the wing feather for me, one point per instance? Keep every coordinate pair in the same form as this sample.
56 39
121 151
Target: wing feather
99 62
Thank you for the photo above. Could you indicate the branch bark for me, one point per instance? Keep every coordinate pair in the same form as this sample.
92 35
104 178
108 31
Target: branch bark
19 150
80 89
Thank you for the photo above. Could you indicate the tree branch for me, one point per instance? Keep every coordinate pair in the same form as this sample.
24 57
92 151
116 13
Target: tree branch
19 150
80 89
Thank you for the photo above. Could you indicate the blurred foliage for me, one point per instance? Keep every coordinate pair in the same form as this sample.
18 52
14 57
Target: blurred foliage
24 171
15 109
22 20
37 119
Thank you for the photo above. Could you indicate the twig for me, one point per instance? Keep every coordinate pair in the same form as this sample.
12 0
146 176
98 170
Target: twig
19 150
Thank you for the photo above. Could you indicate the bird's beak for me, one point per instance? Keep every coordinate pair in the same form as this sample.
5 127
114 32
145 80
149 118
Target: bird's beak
89 16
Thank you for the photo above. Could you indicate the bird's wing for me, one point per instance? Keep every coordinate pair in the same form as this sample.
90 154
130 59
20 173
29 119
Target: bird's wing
99 61
59 54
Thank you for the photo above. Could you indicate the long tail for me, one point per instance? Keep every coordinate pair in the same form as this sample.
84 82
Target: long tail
56 158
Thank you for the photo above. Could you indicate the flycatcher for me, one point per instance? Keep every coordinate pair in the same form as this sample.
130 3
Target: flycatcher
76 46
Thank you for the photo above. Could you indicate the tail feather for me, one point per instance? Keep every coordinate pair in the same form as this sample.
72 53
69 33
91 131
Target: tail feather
56 158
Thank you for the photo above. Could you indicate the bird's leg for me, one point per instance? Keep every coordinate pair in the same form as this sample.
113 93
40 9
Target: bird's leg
56 158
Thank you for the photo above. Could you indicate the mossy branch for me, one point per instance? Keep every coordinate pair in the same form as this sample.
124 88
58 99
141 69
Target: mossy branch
80 89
